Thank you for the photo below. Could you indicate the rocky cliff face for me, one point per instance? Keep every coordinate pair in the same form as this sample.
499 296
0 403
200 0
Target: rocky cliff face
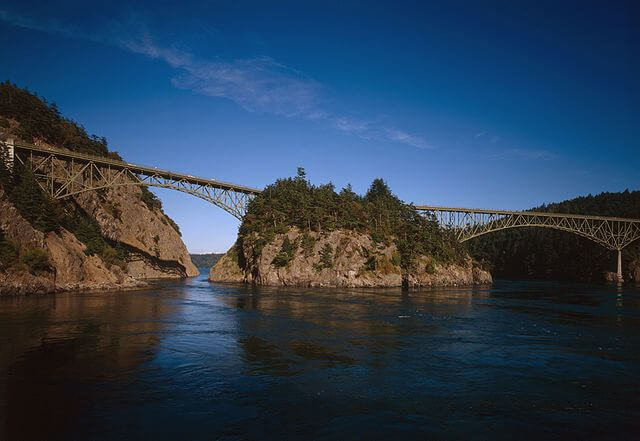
71 268
154 247
337 259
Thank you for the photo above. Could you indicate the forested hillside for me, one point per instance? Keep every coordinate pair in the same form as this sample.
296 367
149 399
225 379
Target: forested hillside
546 253
205 260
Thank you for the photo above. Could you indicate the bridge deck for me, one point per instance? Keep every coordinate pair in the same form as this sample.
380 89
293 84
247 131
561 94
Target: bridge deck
250 191
523 213
140 169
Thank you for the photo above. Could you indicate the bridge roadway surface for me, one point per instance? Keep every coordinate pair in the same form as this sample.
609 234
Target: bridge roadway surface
64 173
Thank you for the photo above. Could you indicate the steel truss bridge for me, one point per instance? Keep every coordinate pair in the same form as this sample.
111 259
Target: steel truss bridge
62 173
613 233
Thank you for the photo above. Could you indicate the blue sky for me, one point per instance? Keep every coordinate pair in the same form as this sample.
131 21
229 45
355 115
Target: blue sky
484 104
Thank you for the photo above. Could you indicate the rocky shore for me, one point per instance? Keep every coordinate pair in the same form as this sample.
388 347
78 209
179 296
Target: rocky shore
340 258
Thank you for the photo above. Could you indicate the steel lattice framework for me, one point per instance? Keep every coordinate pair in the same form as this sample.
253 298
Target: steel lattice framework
63 173
613 233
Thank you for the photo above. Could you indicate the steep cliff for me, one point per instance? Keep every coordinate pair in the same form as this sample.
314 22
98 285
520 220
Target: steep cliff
155 247
339 258
104 239
64 264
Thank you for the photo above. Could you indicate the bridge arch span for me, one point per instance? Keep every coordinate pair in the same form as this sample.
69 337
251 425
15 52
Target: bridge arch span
229 203
62 174
613 233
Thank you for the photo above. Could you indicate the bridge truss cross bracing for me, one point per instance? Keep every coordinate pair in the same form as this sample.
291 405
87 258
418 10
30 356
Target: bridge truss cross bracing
63 174
613 233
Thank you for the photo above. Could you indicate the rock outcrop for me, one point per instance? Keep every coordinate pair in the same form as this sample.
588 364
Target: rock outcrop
338 259
154 247
70 267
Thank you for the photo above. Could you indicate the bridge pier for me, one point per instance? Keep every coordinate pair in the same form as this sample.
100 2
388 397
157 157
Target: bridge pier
620 280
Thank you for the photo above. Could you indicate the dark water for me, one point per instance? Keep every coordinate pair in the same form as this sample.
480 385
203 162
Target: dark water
196 361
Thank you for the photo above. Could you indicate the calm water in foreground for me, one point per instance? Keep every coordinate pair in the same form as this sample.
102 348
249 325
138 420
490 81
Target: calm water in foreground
197 361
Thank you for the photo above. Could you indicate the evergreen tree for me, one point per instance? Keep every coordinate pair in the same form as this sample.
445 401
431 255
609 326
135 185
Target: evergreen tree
27 196
296 202
6 175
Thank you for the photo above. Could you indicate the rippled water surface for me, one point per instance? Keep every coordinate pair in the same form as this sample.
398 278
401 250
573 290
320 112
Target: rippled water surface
199 361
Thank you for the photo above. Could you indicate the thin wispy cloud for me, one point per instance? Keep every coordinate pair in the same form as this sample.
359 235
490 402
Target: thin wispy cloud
380 132
524 154
256 84
406 138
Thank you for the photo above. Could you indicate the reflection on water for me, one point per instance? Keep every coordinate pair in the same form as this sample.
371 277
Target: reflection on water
193 360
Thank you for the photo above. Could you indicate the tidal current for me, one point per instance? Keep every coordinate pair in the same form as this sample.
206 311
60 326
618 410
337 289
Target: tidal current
192 360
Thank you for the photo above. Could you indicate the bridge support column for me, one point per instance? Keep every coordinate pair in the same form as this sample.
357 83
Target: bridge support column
620 266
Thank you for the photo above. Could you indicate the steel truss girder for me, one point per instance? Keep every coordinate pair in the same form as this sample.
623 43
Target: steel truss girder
64 174
610 232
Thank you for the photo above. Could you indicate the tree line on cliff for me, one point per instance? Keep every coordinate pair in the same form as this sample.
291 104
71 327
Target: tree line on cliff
546 253
295 202
28 117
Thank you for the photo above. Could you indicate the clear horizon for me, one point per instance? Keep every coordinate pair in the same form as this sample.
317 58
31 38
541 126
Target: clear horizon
504 107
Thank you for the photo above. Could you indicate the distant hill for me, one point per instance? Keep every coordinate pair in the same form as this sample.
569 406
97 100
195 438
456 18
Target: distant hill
205 260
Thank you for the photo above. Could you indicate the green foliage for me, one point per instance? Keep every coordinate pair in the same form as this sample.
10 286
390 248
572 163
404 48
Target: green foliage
150 199
114 256
307 243
36 259
40 210
209 259
6 175
173 224
430 268
286 254
87 230
8 252
547 253
326 257
371 263
294 202
39 119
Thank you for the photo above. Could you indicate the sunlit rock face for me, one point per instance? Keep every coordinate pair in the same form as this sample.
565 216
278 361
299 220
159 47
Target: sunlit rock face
157 246
339 258
71 268
154 246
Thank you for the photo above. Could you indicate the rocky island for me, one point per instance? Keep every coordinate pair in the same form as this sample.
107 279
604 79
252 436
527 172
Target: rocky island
298 234
107 239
